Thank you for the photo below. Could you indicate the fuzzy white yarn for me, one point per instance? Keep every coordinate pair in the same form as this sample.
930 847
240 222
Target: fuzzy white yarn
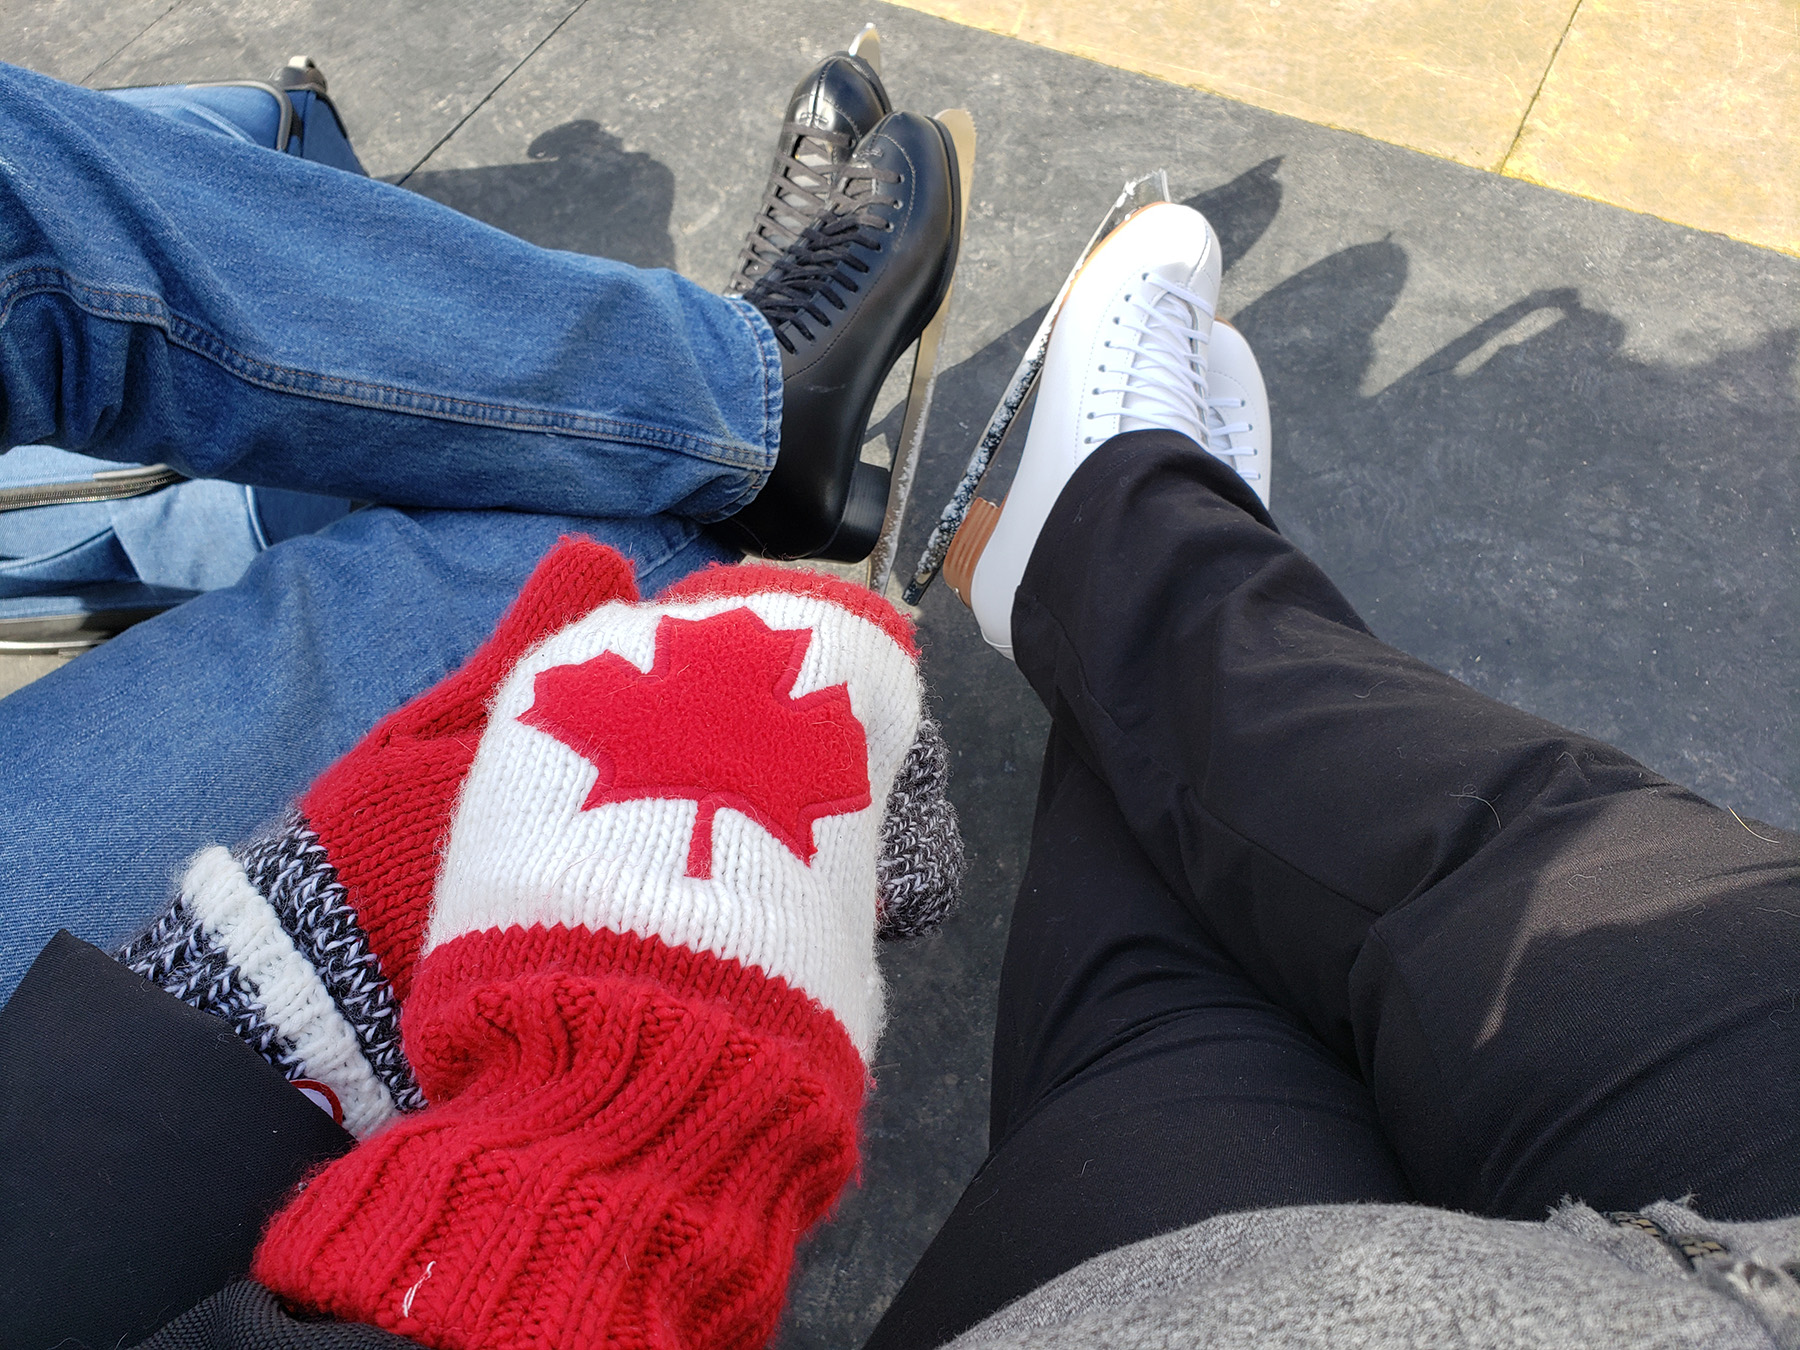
294 999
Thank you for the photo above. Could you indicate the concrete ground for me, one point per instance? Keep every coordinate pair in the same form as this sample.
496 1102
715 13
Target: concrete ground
1686 109
1546 444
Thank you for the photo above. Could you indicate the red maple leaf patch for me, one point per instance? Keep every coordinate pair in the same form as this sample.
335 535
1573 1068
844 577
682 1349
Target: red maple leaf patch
712 721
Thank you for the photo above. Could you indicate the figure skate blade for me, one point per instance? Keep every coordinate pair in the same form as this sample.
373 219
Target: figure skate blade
924 374
867 44
1139 192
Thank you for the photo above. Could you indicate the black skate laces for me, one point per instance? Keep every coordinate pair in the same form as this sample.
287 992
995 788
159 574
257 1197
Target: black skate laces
797 193
818 268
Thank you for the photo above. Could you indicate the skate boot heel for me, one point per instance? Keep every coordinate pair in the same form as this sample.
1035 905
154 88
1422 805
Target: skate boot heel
965 549
864 513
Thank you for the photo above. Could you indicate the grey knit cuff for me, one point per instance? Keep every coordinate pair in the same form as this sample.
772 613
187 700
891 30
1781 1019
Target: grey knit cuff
288 865
178 953
921 866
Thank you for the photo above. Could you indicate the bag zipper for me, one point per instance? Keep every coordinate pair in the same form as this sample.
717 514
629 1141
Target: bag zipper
110 485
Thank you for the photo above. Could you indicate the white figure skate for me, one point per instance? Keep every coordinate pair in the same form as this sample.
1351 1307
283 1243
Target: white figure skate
1130 351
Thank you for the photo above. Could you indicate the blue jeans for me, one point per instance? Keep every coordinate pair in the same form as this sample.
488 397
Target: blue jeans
171 296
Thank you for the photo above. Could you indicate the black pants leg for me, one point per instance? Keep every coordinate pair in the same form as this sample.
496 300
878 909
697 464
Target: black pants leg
1477 959
143 1147
1141 1081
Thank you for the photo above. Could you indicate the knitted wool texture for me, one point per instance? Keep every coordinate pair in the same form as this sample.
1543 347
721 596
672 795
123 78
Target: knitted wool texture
270 937
647 991
922 861
382 812
305 940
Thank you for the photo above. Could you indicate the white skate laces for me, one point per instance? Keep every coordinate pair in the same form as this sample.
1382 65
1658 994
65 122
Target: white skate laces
1161 371
1133 349
1230 441
1237 409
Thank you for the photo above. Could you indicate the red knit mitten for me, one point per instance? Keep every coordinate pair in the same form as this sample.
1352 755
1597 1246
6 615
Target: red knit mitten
648 991
305 939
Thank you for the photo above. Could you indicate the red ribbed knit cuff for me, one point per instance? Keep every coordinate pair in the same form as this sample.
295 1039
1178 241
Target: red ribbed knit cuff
626 1140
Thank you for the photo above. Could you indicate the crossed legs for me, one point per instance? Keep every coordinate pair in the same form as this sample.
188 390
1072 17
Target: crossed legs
1307 921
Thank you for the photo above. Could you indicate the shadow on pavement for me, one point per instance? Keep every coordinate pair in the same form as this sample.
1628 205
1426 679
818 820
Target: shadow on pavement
1601 539
580 191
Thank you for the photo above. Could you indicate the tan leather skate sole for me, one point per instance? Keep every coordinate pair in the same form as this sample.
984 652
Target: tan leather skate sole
965 549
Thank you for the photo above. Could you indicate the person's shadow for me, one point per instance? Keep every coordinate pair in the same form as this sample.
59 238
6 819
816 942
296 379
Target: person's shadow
580 190
1552 518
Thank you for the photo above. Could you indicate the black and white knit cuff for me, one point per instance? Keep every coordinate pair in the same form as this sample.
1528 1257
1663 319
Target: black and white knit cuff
266 938
289 866
921 866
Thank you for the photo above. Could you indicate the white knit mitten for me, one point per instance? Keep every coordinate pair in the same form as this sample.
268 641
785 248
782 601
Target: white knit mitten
715 770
